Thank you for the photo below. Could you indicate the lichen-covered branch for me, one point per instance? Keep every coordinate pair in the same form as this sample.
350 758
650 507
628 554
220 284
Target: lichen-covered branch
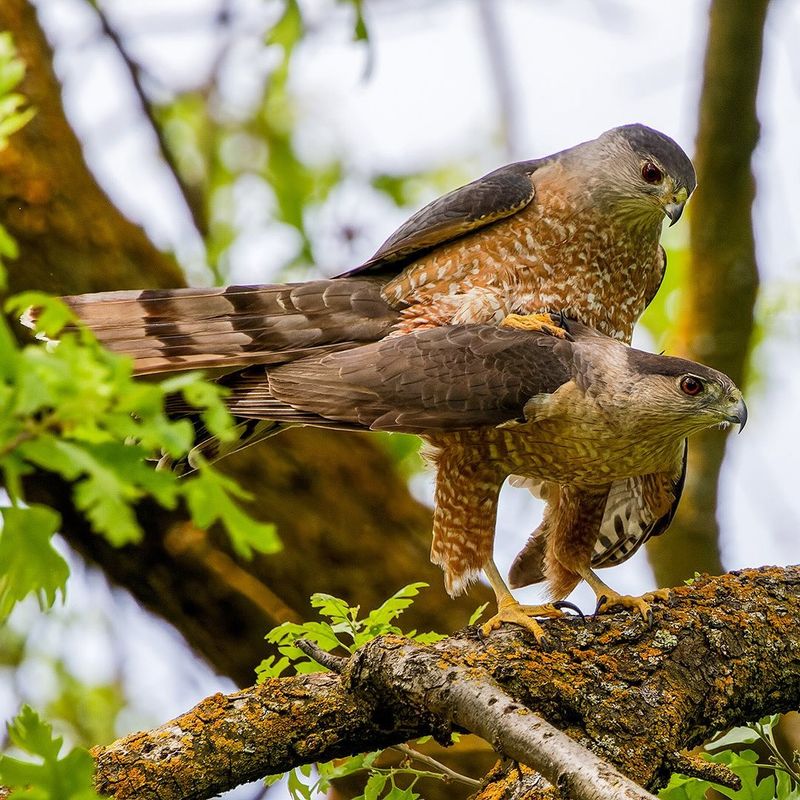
721 651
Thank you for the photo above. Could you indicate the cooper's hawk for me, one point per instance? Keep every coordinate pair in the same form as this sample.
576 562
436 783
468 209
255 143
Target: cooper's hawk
576 232
582 413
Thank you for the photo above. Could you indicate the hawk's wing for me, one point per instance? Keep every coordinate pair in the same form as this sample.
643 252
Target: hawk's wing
494 196
439 379
657 277
636 509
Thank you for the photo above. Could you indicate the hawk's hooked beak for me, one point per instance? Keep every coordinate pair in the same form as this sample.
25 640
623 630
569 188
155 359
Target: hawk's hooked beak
674 211
675 207
738 414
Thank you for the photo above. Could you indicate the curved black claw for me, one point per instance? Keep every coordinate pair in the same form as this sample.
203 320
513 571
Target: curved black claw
562 604
561 320
649 619
601 601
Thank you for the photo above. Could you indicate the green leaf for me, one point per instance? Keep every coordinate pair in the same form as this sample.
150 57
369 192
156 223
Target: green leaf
106 492
28 562
742 735
298 788
208 398
8 245
53 314
209 495
477 613
49 777
680 787
396 793
374 787
342 619
744 764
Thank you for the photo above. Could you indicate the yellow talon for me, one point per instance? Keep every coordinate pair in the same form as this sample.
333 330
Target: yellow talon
510 610
659 594
534 322
608 600
516 614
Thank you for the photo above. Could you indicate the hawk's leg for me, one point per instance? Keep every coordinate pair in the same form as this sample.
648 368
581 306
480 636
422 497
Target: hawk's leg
607 598
511 610
534 322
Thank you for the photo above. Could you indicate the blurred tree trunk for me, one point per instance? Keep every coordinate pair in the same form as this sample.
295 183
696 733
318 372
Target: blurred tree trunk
716 316
347 521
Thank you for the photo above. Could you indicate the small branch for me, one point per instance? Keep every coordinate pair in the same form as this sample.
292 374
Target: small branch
436 766
328 660
186 539
697 767
195 208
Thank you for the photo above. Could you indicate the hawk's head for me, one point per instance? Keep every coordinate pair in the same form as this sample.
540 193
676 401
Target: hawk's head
641 173
682 396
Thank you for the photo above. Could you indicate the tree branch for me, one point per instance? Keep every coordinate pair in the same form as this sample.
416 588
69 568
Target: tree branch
192 199
722 651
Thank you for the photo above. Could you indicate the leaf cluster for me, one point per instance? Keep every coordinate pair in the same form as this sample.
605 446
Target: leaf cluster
74 409
339 629
342 629
776 779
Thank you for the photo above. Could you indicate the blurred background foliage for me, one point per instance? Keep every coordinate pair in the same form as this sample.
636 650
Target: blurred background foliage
262 140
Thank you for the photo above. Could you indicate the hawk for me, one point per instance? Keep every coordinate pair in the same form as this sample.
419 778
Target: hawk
581 412
575 232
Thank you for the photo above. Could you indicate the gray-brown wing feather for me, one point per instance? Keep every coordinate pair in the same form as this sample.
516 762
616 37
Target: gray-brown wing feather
439 379
178 329
494 196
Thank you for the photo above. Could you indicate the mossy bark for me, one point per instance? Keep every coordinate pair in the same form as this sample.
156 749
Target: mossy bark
720 652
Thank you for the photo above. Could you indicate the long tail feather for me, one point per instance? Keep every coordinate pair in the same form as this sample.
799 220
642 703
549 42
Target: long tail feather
180 329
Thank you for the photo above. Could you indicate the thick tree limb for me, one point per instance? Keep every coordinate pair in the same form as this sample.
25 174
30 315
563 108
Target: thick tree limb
722 651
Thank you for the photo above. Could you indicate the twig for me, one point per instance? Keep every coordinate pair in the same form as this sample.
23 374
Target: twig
697 767
195 209
328 660
436 765
471 699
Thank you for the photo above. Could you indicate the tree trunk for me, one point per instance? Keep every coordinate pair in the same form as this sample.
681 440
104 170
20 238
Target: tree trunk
716 315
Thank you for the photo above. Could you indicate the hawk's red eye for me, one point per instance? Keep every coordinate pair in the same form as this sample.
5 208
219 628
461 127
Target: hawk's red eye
651 173
691 385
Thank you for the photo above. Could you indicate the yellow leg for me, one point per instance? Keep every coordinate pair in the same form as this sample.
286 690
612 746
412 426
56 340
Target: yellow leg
510 610
607 598
534 322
